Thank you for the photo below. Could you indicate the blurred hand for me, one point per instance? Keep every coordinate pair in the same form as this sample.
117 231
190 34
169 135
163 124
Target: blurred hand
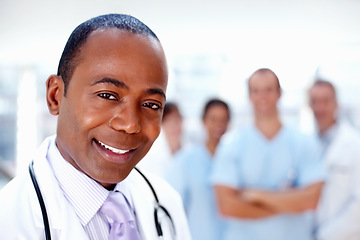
252 196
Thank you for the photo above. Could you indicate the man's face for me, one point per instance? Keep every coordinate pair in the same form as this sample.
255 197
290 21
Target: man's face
264 93
112 110
323 104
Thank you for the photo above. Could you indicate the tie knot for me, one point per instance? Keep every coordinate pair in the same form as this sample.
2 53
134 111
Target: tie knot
117 208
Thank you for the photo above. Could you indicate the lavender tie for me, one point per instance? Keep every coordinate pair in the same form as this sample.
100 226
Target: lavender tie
117 209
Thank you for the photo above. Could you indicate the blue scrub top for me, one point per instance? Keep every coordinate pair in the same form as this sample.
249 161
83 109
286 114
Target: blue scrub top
247 159
189 174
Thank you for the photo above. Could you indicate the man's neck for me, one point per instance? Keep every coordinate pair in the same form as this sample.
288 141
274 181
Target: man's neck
269 126
325 127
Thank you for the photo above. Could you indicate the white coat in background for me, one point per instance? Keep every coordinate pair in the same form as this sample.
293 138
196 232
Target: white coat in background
339 206
159 157
21 218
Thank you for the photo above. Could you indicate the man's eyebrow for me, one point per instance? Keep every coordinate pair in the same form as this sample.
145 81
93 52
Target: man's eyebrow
115 82
121 84
158 91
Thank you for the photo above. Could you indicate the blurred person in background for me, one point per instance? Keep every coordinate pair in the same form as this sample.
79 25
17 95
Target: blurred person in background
189 174
339 206
160 156
267 176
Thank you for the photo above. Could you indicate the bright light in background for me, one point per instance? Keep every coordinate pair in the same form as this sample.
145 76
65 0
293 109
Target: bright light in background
26 119
212 47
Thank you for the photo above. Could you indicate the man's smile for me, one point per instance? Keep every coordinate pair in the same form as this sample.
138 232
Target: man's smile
112 149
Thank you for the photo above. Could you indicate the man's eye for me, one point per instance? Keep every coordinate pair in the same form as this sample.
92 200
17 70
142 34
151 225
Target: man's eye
107 96
153 106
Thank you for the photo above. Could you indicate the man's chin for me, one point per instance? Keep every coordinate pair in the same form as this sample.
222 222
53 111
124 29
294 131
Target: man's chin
112 177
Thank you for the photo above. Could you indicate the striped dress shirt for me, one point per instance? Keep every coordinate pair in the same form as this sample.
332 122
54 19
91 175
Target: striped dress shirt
84 194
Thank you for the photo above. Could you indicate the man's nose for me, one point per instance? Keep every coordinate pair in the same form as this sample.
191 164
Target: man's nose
127 120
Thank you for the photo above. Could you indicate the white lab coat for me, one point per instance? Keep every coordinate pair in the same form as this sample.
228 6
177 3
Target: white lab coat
339 206
21 218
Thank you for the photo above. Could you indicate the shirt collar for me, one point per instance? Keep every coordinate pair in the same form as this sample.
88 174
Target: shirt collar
327 137
84 194
329 134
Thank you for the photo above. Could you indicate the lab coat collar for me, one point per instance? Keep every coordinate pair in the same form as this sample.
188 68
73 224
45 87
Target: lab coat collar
62 218
144 204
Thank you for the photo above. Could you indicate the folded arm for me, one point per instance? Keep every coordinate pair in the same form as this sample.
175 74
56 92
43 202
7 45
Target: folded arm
231 204
252 204
293 200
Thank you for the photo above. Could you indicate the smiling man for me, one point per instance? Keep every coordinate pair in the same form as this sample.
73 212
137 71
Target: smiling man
339 206
108 95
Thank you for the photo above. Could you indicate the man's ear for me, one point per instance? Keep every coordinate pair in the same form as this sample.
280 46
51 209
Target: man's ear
54 93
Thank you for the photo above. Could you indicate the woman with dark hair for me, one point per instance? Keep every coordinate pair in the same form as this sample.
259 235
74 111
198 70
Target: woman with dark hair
160 156
190 171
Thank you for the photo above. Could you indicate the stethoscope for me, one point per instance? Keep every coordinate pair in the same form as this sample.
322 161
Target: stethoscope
157 208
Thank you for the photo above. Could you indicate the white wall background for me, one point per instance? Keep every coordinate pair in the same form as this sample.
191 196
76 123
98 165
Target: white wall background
212 47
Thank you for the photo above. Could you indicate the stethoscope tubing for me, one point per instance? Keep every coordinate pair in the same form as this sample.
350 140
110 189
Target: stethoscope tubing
41 201
45 215
157 206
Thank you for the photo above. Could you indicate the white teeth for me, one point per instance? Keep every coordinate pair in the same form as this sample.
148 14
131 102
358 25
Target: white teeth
114 150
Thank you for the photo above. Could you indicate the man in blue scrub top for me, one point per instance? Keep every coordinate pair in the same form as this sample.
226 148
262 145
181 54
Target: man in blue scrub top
267 176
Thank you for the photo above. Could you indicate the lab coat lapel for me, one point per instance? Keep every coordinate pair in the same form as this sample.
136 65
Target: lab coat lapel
64 222
144 203
336 147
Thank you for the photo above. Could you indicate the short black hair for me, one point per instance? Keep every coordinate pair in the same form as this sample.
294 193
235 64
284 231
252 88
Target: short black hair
169 108
78 37
215 102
